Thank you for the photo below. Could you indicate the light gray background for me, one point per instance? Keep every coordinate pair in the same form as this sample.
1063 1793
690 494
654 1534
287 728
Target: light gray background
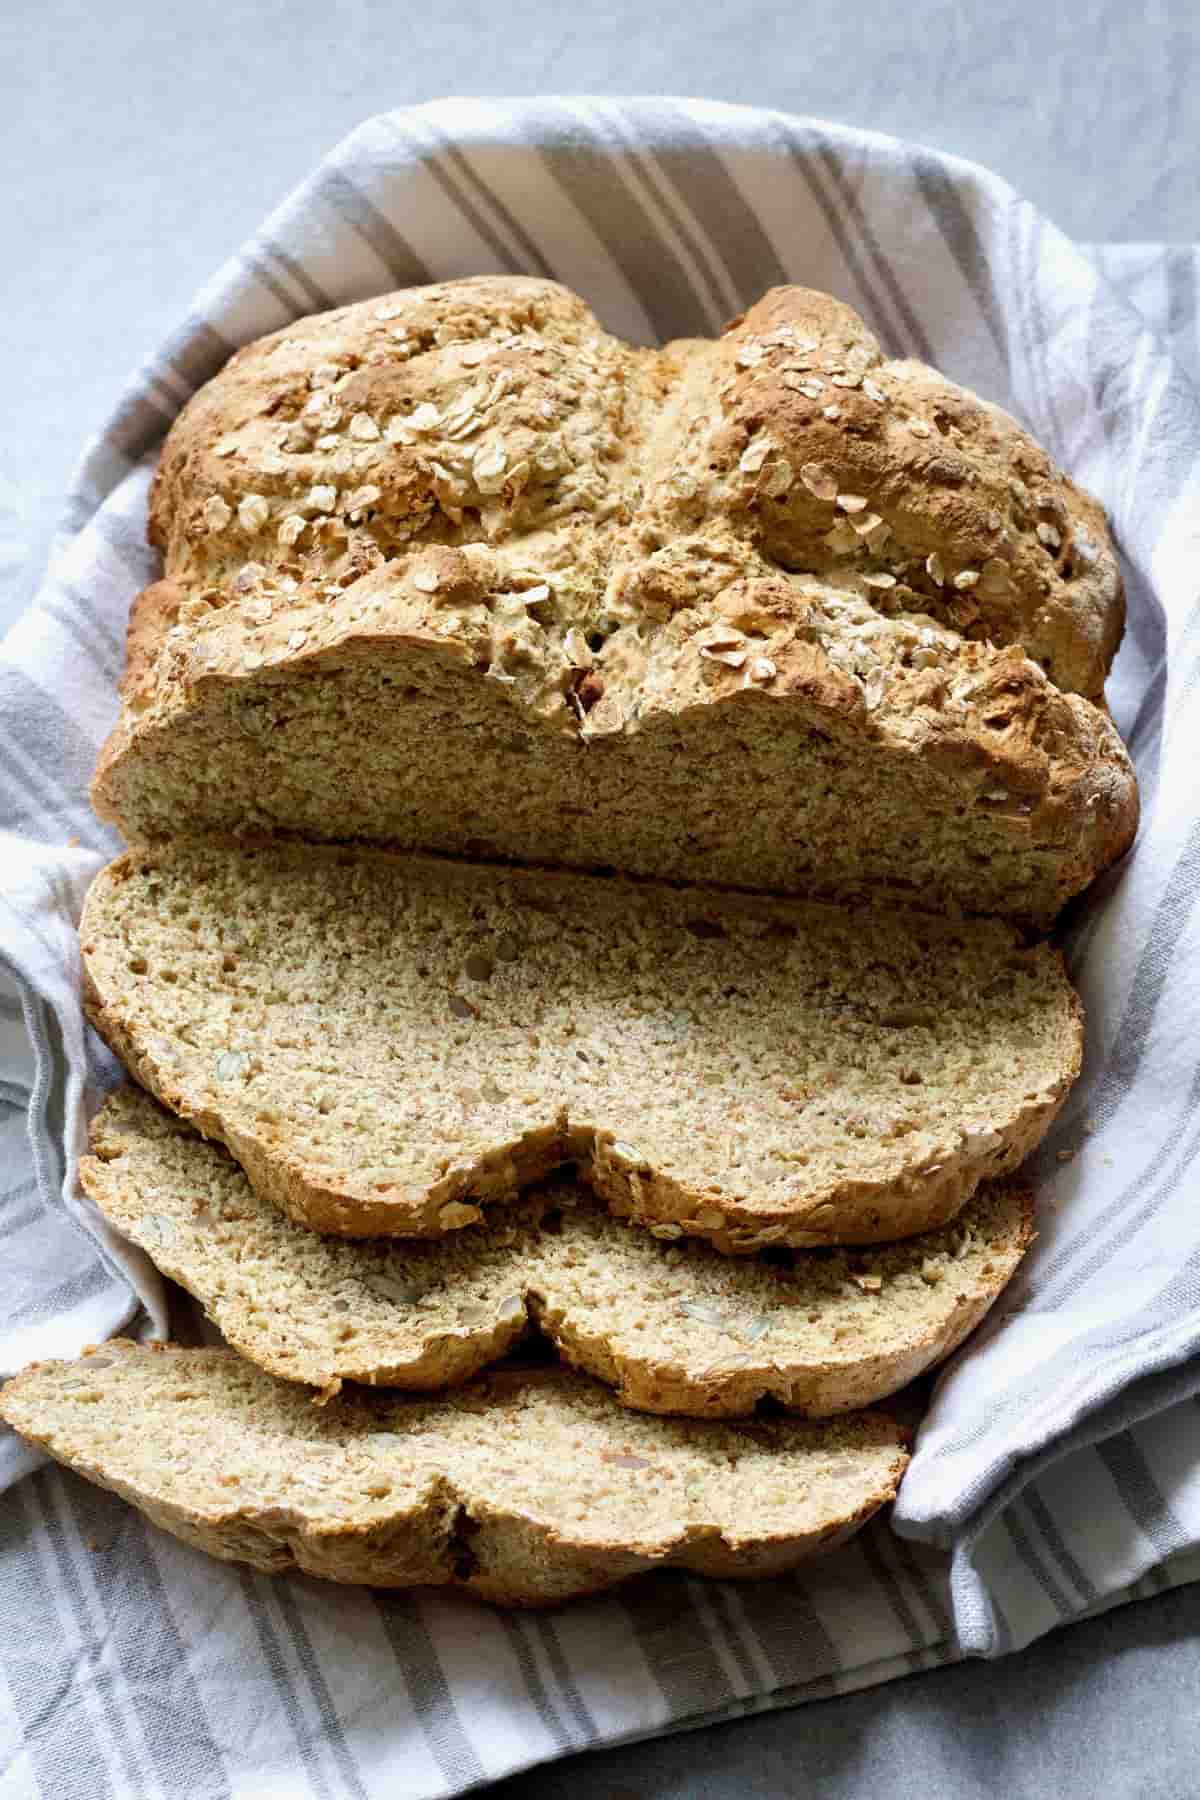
141 140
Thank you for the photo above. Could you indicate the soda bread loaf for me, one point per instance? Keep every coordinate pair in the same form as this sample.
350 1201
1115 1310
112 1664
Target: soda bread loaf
676 1328
457 570
388 1044
528 1487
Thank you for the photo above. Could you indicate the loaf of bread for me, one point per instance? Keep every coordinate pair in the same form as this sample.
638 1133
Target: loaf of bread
388 1044
528 1487
675 1328
457 570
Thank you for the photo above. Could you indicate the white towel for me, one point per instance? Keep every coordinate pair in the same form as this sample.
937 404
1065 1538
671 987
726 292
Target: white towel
1059 1468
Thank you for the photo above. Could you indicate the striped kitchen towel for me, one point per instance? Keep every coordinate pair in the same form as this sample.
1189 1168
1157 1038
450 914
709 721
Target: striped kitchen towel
1058 1470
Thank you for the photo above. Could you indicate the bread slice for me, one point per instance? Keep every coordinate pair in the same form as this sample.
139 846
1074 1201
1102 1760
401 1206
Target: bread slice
527 1487
677 1329
388 1044
458 571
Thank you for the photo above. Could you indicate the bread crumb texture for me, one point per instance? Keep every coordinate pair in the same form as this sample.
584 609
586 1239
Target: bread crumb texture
390 1044
457 570
676 1328
527 1487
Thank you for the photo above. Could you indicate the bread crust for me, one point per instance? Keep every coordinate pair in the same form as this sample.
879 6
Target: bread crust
453 1522
688 516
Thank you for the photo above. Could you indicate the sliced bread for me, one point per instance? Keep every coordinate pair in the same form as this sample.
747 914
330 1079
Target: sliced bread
388 1043
676 1328
528 1487
772 611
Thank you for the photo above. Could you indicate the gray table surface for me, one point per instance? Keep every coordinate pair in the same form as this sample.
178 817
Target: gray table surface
142 141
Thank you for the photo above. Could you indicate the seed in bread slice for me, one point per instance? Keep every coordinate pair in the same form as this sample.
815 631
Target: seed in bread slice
387 1043
676 1328
527 1487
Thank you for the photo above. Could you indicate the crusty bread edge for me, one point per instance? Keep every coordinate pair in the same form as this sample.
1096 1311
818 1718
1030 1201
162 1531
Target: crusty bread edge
444 1362
815 1390
447 1539
647 1382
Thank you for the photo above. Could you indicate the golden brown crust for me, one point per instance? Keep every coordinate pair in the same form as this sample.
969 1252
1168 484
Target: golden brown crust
155 612
971 517
622 540
414 1493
